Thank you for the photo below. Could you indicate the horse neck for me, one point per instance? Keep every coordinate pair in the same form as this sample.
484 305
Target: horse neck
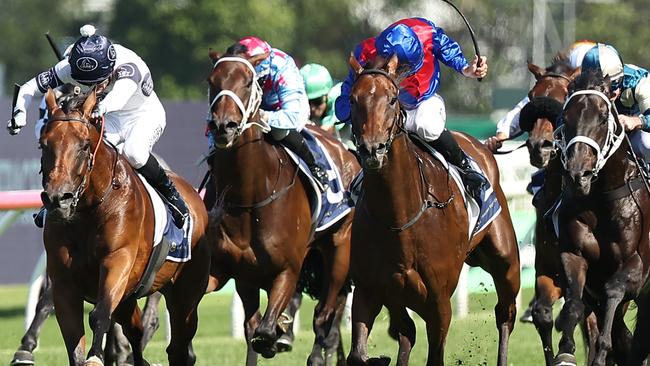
617 170
248 170
100 179
397 186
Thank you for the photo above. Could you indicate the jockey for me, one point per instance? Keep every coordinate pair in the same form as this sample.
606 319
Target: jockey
134 117
322 95
508 126
419 45
284 101
630 86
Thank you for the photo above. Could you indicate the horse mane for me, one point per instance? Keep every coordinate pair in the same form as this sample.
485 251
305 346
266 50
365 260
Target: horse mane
72 102
560 64
591 80
236 49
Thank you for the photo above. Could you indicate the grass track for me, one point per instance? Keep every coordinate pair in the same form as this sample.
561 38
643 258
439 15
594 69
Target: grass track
471 341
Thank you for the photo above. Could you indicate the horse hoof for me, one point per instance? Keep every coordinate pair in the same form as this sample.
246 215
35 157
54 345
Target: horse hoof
284 344
94 361
379 361
264 346
22 358
565 359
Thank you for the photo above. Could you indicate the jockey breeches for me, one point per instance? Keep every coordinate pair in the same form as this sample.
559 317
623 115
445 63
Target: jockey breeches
640 141
427 120
135 133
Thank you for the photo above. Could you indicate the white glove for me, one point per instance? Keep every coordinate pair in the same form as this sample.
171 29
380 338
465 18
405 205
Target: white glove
98 112
18 121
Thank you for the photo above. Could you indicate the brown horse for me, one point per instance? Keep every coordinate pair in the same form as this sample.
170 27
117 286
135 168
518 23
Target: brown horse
410 232
98 238
538 118
265 227
603 223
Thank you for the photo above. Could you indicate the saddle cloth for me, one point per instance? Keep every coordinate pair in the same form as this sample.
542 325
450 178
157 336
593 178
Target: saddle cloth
327 207
479 213
180 239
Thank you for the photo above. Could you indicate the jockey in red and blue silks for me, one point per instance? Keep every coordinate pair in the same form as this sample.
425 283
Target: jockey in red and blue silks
284 101
420 45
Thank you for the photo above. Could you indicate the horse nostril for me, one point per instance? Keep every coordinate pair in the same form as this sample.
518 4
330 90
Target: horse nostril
45 198
231 125
547 144
66 196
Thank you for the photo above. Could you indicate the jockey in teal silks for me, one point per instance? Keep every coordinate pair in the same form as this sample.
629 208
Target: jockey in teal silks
421 45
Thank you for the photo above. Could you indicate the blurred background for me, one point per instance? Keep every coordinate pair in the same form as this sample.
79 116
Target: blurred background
174 36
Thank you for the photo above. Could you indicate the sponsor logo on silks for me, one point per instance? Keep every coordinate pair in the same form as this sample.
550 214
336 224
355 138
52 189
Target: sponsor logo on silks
126 71
147 85
111 53
44 79
87 64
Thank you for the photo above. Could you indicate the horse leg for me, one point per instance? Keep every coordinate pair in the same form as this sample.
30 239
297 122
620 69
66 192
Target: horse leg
639 348
334 340
250 297
117 349
621 337
285 342
129 317
150 320
44 307
590 334
405 328
575 272
365 309
621 283
336 260
546 293
437 321
68 302
266 333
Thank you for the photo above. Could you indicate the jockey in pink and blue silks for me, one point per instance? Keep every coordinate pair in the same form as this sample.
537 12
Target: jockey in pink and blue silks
284 104
420 45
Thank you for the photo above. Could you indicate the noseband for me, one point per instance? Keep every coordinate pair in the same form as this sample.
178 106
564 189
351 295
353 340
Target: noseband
397 127
613 139
254 101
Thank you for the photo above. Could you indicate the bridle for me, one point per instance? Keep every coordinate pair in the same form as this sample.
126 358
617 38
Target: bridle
90 161
613 139
397 127
248 110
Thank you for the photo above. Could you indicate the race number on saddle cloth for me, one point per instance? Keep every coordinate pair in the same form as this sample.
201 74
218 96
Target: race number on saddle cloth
480 212
178 240
330 206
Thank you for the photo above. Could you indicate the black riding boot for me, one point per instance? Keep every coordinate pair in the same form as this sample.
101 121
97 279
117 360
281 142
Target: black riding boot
296 143
448 147
39 217
157 177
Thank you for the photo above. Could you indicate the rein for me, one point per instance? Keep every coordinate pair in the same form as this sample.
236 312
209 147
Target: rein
254 101
556 75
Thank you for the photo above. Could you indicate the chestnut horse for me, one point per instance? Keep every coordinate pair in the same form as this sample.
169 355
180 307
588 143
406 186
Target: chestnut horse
98 239
265 226
603 222
538 118
410 234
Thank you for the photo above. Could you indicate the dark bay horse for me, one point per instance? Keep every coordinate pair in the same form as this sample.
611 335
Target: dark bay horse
603 221
264 228
98 239
410 232
538 118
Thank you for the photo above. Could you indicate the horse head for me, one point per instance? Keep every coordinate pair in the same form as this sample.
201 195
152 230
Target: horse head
235 96
68 145
539 116
590 133
375 110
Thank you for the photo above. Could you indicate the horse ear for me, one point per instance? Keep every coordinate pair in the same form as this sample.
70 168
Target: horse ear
535 70
392 64
214 55
354 64
89 103
50 101
575 73
255 60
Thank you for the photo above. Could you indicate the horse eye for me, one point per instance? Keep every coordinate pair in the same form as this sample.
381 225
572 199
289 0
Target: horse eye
393 101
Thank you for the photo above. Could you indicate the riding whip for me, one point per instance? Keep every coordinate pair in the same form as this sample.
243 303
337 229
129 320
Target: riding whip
56 49
471 33
13 105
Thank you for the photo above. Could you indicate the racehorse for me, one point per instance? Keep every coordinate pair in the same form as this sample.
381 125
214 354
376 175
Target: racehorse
98 239
410 235
603 224
265 227
538 118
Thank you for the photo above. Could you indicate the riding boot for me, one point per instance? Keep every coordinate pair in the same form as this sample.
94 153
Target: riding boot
296 143
158 178
448 147
39 217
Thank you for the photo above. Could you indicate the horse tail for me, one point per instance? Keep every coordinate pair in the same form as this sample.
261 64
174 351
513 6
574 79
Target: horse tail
310 281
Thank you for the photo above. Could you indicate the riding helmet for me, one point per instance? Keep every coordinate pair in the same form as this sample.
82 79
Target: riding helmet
92 58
